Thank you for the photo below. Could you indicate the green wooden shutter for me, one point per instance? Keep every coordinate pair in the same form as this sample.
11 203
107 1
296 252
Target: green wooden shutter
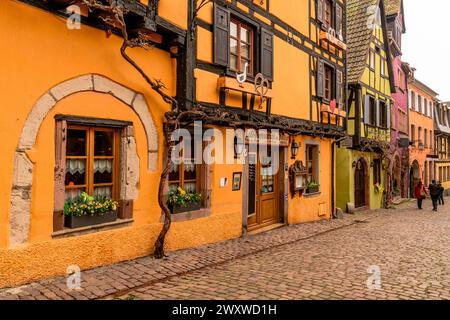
221 36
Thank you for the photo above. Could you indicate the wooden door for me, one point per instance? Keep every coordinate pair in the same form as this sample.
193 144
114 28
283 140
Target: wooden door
265 195
360 185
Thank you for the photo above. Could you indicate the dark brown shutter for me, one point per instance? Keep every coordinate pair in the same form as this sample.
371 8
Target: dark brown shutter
320 78
60 173
338 26
320 10
221 36
388 114
267 54
339 88
377 113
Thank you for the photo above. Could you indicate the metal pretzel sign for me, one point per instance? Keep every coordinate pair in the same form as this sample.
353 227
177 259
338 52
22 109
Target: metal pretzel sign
261 87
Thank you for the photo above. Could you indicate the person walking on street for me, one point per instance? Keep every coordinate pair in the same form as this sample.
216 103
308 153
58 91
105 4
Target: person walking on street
420 193
434 193
441 193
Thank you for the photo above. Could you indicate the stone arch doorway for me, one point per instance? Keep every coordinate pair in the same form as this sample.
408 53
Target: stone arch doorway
21 195
362 184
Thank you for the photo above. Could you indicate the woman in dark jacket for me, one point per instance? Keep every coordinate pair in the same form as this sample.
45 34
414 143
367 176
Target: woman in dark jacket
420 193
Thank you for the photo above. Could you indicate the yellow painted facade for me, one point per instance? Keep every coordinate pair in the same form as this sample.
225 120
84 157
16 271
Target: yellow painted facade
47 59
372 83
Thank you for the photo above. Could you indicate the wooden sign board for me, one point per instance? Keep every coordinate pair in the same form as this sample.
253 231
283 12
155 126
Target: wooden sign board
347 143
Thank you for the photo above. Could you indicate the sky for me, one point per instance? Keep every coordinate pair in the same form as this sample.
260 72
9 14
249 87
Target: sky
426 44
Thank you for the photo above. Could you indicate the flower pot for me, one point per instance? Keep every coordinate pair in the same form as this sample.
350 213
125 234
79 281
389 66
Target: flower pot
84 221
194 206
312 190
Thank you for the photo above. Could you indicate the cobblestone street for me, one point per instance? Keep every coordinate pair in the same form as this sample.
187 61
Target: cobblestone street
322 260
410 247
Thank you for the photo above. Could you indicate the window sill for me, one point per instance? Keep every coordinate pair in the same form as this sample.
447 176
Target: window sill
188 215
119 223
312 195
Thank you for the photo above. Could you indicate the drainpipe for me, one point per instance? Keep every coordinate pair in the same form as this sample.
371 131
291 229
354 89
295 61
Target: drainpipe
333 182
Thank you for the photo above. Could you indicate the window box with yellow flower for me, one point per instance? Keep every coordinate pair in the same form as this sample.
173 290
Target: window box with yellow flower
182 201
88 210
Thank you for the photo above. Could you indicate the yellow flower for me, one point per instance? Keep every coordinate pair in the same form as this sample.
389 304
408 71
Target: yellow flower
181 191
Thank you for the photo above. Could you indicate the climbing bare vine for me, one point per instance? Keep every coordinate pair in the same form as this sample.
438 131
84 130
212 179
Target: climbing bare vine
115 17
198 6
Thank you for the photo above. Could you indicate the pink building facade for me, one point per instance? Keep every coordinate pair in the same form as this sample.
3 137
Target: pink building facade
398 184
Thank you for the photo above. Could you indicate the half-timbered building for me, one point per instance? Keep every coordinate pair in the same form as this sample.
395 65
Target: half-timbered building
362 168
398 177
80 118
441 164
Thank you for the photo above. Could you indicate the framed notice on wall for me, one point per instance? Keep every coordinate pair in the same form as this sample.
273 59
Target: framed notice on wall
237 177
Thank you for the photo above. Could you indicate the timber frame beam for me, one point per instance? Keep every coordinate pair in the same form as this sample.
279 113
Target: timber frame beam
139 17
239 118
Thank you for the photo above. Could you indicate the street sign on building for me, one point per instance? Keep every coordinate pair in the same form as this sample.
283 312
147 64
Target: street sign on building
347 143
403 143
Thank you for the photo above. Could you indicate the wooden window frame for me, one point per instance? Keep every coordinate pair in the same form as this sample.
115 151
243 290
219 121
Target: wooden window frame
372 111
90 157
431 139
328 16
372 58
382 67
383 110
181 181
315 175
243 25
419 135
125 132
331 88
203 186
419 104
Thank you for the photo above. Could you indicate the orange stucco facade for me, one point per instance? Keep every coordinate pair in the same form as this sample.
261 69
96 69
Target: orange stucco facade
421 127
49 70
